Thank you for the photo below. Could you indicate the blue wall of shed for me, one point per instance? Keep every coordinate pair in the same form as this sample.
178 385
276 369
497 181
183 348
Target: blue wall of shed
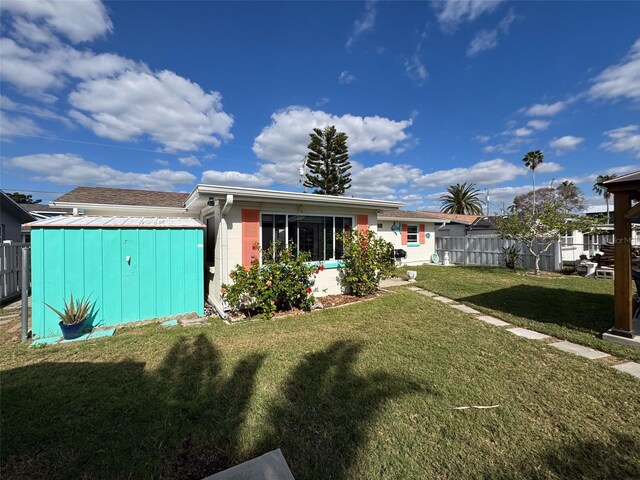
165 275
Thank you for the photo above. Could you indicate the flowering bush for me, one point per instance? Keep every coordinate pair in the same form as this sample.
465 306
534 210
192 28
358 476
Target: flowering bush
367 259
282 282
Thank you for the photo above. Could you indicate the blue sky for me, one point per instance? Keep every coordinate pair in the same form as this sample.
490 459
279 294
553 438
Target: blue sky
164 95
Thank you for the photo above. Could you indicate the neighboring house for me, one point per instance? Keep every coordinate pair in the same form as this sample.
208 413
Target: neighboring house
12 216
413 232
40 211
124 240
455 225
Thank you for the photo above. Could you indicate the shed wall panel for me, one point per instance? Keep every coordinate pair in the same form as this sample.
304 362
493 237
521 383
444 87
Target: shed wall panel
163 276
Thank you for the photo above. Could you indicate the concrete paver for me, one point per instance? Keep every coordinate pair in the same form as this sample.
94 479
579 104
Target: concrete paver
632 368
526 333
493 320
579 350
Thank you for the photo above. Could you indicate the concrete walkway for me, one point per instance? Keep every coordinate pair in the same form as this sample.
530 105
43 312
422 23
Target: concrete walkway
631 368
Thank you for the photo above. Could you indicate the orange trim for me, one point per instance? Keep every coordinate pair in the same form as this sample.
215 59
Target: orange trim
363 223
250 237
421 235
404 234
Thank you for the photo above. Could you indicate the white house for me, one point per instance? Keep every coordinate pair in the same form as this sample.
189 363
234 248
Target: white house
238 218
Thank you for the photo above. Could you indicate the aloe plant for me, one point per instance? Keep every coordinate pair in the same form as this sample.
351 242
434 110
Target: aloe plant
74 312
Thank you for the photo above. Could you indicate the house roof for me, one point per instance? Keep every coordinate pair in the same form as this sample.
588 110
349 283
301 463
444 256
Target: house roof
7 203
201 194
629 177
122 196
42 208
433 216
90 221
484 223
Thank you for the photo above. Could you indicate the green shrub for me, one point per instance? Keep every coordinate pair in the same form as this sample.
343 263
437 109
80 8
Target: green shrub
367 259
283 281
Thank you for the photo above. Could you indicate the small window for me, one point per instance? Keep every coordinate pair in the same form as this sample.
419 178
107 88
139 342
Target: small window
379 226
412 233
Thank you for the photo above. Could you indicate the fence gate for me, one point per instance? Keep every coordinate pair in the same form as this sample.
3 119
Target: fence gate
487 250
10 270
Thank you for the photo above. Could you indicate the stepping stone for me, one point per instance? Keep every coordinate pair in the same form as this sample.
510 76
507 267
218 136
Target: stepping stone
270 466
526 333
426 293
443 299
579 350
632 368
465 309
493 320
414 289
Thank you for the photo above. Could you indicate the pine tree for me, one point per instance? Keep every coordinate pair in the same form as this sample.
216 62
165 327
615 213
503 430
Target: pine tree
328 162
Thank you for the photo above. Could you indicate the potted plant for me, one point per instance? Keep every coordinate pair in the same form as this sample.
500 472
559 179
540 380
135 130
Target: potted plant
73 317
511 255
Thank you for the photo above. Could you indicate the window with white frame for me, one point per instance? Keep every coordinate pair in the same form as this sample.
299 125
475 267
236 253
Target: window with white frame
412 233
567 238
307 233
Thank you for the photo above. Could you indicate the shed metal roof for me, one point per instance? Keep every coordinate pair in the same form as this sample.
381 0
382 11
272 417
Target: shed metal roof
89 221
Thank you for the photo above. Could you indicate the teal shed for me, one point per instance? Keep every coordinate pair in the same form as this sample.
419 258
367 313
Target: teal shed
135 268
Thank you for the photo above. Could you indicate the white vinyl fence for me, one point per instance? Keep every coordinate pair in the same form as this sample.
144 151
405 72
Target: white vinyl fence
487 250
10 270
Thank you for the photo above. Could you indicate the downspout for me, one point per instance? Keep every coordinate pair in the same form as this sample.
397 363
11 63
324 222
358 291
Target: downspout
217 304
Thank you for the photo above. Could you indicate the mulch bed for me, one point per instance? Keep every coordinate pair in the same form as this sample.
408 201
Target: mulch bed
328 301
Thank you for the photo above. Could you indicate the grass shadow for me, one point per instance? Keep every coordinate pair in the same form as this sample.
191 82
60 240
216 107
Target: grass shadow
326 411
582 459
577 310
115 420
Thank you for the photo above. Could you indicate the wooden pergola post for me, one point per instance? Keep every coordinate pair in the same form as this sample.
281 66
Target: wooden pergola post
622 261
625 190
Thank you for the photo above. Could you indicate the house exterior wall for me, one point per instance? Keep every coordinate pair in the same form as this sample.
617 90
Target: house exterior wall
417 253
451 230
162 277
11 226
326 282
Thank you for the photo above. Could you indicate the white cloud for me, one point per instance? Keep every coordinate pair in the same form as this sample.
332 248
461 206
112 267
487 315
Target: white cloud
164 163
415 68
287 137
539 124
566 143
484 40
380 179
190 161
78 21
488 172
505 23
11 125
34 72
624 139
522 132
621 80
346 77
363 24
170 109
450 14
545 109
235 179
482 138
8 104
72 169
505 195
548 167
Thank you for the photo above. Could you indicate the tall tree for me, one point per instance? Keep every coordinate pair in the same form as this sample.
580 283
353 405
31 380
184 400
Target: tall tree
22 198
601 190
567 193
461 199
328 162
532 160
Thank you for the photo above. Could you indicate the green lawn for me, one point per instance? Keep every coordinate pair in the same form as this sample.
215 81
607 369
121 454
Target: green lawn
367 391
567 307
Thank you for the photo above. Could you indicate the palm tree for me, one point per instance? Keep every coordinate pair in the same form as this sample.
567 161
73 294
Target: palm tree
600 189
532 160
461 199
